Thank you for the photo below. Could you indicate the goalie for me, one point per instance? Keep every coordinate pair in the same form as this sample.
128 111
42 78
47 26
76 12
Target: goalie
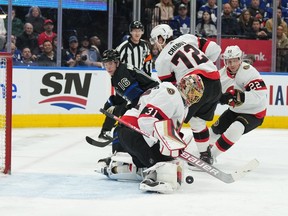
160 112
246 94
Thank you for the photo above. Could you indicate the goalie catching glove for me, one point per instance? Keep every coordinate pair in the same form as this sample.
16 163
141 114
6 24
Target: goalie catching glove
233 98
169 140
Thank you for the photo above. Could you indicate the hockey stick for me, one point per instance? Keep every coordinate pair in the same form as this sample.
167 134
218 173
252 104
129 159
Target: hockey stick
202 165
96 143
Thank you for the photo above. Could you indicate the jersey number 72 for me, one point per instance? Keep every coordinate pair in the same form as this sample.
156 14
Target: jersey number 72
197 56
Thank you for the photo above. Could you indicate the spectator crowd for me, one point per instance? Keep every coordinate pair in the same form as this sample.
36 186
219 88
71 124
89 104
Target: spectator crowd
34 38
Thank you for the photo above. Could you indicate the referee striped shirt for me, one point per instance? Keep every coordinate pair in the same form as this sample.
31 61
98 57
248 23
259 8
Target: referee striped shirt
137 55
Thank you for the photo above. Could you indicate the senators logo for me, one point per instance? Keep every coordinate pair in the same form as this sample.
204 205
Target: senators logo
170 91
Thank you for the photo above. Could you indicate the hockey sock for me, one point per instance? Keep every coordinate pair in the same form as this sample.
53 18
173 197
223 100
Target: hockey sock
200 133
228 138
202 139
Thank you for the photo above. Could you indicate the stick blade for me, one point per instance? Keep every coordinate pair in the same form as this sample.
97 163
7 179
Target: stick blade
97 143
251 165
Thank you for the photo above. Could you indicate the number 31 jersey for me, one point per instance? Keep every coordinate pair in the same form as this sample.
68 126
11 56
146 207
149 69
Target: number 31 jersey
163 102
182 56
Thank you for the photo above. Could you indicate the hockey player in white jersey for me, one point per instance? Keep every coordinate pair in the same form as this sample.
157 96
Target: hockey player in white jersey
187 55
246 94
159 109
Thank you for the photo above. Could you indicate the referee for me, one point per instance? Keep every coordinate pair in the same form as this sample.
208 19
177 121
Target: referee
136 51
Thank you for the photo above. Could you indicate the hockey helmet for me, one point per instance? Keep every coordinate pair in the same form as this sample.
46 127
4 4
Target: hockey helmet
136 25
191 88
110 55
232 52
163 30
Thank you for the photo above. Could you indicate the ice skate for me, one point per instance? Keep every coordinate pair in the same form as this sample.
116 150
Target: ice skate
207 156
105 136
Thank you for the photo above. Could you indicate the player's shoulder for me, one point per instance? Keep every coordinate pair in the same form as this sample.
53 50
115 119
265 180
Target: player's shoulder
247 68
223 71
188 38
123 44
124 68
163 55
248 72
130 67
168 88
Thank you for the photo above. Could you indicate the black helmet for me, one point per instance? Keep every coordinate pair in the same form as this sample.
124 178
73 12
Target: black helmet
110 55
136 25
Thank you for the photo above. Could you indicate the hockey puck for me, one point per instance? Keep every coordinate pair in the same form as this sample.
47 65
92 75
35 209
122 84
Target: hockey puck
189 179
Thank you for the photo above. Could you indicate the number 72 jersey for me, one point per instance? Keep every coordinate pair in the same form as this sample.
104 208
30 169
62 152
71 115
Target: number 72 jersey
182 56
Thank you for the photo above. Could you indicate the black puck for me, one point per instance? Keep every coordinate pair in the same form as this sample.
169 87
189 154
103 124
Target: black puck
189 179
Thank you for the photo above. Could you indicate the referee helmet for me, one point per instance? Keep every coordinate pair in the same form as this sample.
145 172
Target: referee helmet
136 25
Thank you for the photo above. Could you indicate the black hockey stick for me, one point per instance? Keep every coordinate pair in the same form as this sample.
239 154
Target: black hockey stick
197 162
96 143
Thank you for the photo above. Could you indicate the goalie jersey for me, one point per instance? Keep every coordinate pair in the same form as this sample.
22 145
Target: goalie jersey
248 80
160 103
185 54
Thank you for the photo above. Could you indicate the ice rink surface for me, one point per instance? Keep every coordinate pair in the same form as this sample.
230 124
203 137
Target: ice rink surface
53 175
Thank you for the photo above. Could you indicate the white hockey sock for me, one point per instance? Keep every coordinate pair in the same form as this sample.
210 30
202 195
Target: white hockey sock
198 126
230 136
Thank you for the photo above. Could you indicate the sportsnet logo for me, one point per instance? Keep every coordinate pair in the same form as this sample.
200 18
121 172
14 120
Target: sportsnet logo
66 102
66 91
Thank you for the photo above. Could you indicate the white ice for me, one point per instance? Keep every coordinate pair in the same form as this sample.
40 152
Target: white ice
53 175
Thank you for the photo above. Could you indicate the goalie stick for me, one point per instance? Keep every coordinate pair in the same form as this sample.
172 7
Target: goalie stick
197 162
96 143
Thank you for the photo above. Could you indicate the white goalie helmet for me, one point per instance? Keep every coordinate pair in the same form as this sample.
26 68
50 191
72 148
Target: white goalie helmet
232 52
163 30
191 88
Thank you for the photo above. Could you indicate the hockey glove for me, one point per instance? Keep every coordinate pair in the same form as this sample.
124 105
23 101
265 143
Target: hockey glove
233 98
111 109
111 100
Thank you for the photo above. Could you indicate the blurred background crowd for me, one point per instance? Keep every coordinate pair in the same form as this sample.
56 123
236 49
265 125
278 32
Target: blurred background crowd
84 32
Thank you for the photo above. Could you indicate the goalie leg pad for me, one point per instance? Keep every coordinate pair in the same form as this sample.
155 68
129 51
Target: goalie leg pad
163 177
121 168
171 172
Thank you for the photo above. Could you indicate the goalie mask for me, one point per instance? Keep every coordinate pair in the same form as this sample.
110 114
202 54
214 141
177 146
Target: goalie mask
191 88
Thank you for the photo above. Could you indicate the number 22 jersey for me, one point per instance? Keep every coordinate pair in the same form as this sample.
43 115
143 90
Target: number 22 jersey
248 80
